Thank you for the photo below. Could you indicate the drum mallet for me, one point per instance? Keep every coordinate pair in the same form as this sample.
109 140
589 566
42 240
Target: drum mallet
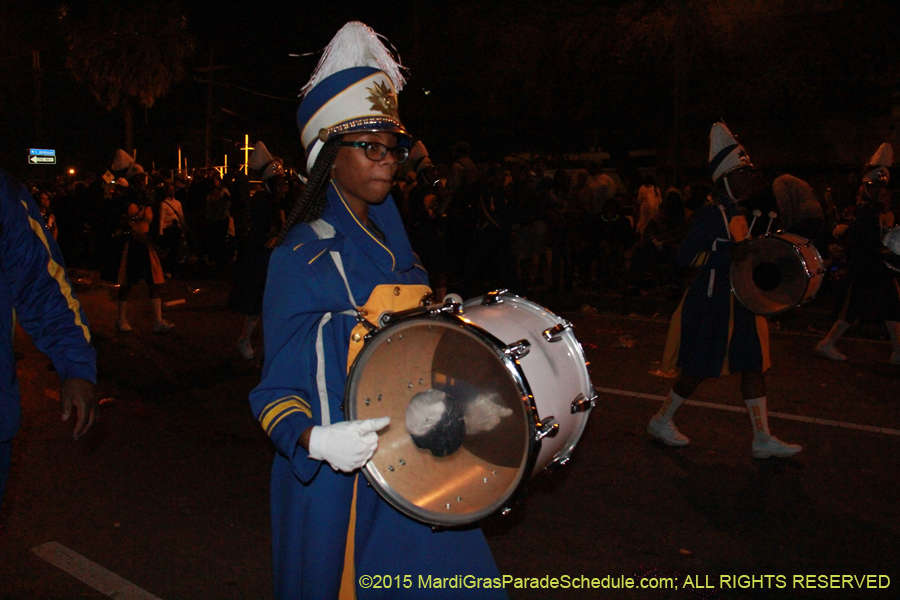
756 214
772 216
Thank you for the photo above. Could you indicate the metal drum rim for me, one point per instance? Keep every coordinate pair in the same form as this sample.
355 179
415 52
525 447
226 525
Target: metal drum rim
380 484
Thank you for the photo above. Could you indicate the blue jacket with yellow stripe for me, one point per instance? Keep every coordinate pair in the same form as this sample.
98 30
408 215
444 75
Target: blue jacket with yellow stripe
329 529
712 334
35 290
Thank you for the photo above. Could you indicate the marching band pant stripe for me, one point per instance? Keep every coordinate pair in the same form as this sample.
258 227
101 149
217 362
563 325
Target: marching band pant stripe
348 577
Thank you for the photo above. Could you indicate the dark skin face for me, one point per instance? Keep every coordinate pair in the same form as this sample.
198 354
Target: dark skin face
743 182
364 182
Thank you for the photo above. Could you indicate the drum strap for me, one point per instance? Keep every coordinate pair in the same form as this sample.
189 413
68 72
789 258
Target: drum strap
715 244
320 371
324 230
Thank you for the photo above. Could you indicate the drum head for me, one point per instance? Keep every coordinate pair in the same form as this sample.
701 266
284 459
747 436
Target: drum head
459 442
772 279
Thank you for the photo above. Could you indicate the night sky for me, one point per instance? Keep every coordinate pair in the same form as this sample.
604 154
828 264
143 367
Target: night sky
523 76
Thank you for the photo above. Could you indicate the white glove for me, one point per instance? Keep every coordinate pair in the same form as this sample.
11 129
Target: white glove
347 445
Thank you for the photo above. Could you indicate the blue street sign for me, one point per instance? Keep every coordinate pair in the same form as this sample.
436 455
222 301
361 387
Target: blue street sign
41 152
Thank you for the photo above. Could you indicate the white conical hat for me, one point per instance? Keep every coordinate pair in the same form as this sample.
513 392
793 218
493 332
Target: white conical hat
122 160
353 88
725 153
877 167
260 157
262 160
418 157
133 169
274 168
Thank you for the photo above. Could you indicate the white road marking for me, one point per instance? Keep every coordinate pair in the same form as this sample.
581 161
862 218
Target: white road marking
778 415
102 580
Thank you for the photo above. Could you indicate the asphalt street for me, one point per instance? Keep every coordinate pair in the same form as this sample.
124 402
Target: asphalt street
168 494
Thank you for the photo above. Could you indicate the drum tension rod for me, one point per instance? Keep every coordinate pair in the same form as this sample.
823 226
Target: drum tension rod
517 350
582 404
361 319
493 297
554 334
547 427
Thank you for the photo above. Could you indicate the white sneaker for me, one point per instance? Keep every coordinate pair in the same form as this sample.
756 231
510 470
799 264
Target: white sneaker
665 430
162 327
772 446
245 349
829 351
123 325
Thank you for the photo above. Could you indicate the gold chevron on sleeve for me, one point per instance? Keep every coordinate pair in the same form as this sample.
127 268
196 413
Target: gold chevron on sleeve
700 259
279 409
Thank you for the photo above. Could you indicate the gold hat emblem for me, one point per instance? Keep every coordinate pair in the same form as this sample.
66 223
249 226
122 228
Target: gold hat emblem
383 100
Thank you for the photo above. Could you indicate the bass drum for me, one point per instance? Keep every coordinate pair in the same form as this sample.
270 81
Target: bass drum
782 271
480 399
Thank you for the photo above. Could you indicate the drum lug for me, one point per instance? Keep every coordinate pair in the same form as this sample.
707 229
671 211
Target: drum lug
428 299
493 297
388 317
582 404
554 334
448 306
361 318
547 427
518 349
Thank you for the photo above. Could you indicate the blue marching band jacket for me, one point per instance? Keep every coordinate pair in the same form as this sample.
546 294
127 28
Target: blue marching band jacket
330 528
35 290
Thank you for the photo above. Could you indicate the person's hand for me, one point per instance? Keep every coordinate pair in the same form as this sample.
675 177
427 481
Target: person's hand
83 395
347 445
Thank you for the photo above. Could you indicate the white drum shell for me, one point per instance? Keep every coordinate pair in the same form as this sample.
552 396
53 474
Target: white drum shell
464 355
556 371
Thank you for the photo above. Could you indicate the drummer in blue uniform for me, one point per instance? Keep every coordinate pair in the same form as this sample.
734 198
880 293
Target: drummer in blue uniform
712 334
873 293
345 255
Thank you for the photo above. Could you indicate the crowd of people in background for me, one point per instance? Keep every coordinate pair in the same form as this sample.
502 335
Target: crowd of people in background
517 225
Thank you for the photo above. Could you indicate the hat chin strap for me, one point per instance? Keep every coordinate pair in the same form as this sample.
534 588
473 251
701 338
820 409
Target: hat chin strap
313 155
728 188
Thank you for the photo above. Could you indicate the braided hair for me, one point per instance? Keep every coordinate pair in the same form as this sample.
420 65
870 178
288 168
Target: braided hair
311 203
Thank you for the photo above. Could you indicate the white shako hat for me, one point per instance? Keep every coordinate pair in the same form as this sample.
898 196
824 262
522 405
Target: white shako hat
725 153
876 170
354 88
262 160
121 161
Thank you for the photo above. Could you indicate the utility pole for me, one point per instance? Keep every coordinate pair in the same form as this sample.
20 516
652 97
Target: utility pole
678 100
209 100
209 107
36 67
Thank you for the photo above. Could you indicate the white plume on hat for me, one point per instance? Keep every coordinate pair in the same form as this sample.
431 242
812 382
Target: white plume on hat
725 153
355 45
121 161
877 167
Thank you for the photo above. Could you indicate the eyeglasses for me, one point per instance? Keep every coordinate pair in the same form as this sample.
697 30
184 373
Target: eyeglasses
376 151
